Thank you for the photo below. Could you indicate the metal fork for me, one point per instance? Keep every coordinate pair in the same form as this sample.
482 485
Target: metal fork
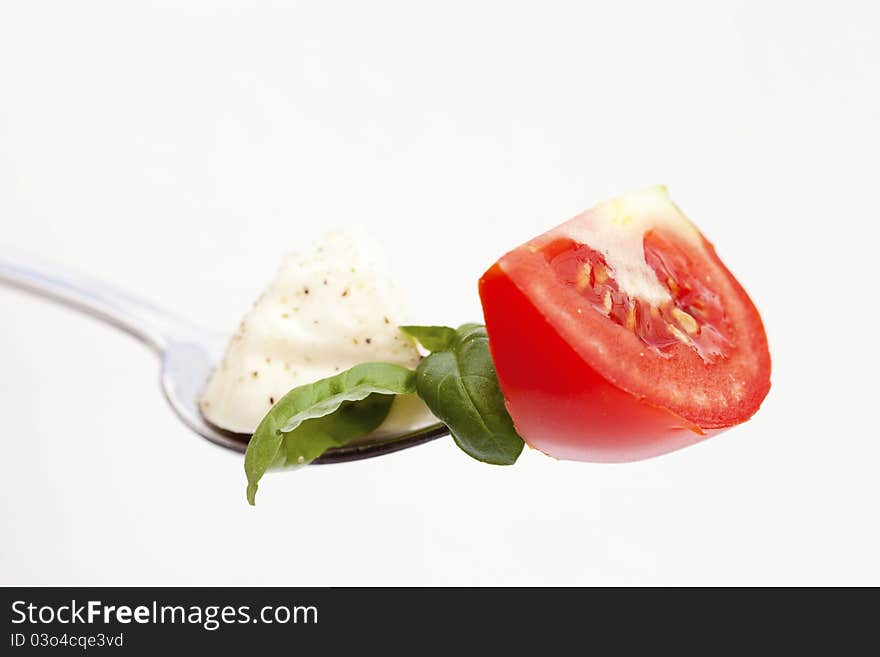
188 354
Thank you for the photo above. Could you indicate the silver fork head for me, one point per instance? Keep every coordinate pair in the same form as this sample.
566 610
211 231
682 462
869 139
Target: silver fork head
186 367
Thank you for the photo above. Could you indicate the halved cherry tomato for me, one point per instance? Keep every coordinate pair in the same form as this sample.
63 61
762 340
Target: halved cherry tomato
620 335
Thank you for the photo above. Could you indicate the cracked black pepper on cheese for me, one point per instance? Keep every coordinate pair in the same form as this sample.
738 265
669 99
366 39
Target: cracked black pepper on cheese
328 309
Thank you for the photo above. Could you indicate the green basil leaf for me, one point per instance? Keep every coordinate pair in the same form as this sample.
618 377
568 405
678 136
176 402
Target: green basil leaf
432 338
460 387
331 412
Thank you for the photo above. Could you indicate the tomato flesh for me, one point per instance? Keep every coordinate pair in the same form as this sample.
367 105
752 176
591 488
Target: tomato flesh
618 355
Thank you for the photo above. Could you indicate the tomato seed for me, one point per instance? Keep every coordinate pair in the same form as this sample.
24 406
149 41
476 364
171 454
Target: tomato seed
688 323
681 337
583 277
630 321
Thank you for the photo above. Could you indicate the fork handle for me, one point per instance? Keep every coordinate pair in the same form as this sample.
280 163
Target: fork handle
139 318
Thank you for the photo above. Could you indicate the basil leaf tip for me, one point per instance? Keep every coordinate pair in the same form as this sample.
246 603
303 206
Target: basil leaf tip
432 338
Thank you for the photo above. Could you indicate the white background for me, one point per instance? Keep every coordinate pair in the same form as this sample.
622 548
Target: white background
179 149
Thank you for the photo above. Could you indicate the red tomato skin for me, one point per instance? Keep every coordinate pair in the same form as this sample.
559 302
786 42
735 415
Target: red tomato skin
560 405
